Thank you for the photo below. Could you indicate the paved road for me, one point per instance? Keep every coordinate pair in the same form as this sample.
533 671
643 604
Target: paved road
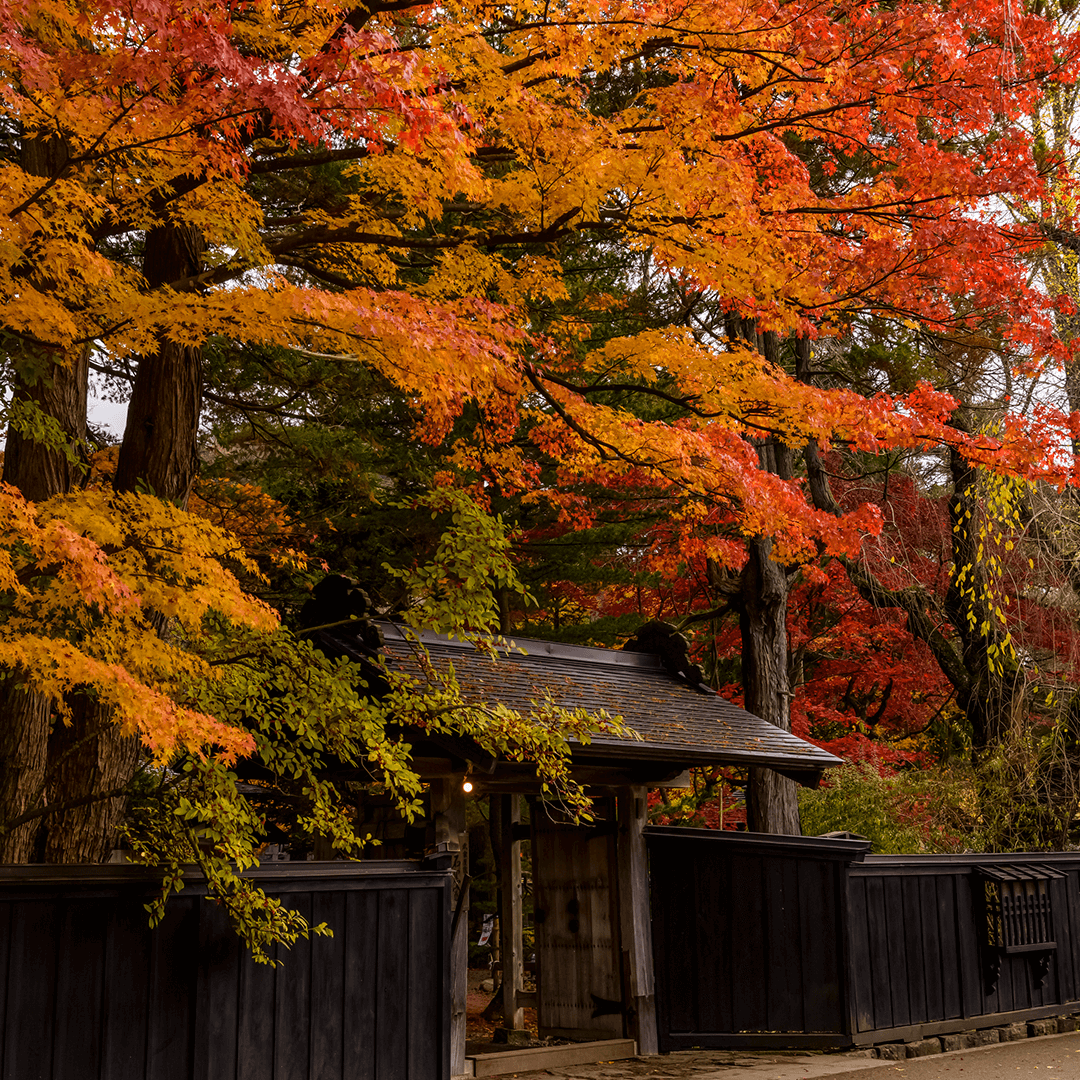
1047 1057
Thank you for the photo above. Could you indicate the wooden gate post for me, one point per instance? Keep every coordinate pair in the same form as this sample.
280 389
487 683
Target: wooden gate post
510 922
448 810
634 920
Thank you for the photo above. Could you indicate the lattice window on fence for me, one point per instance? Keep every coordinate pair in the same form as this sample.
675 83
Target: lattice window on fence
1018 905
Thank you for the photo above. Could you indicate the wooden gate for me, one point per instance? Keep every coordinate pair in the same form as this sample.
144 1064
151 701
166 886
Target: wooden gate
579 977
748 937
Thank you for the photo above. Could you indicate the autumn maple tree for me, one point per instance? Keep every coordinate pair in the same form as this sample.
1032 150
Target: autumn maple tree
395 190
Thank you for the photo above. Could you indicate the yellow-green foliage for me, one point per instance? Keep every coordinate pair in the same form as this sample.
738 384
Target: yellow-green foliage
88 581
927 810
983 583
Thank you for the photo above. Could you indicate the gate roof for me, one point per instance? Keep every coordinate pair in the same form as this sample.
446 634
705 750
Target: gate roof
679 725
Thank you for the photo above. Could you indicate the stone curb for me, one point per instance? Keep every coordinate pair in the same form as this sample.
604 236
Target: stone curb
977 1038
864 1071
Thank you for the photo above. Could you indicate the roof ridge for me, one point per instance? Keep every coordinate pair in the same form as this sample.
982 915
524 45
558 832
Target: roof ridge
539 647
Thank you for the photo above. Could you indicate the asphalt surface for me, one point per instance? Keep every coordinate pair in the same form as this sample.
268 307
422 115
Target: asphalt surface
1045 1057
1048 1056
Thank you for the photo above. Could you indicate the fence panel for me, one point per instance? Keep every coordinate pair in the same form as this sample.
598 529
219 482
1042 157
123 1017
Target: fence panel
748 939
800 941
933 911
89 992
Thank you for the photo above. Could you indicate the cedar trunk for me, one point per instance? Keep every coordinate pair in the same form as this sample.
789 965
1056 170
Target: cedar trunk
158 455
89 757
39 472
55 382
159 452
24 734
772 803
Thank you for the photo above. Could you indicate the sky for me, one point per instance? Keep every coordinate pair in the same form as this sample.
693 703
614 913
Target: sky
103 415
109 415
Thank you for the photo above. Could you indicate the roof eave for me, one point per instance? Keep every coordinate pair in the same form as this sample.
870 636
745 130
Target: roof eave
804 771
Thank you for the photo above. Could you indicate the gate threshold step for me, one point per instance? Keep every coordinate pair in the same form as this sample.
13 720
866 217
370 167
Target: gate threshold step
502 1062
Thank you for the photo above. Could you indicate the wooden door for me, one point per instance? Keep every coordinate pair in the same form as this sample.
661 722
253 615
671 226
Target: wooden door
579 980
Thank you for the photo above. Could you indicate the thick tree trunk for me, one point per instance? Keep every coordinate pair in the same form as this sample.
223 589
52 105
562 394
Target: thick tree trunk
772 803
89 757
56 383
24 734
53 380
158 455
39 472
159 451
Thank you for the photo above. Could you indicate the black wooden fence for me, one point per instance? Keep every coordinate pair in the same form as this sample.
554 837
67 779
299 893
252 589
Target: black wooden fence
88 991
803 942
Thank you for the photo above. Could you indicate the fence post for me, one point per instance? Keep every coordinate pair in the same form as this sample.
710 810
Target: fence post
635 926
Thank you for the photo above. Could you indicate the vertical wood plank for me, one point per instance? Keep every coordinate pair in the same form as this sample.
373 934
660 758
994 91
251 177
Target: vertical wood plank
127 977
861 969
710 986
328 986
749 1004
913 943
605 948
1064 964
1072 909
730 929
217 1004
968 942
784 1003
819 945
666 926
846 1004
680 937
1010 986
80 990
878 931
897 950
292 1003
174 958
362 936
924 898
32 990
952 998
255 1020
392 971
6 933
458 974
426 1008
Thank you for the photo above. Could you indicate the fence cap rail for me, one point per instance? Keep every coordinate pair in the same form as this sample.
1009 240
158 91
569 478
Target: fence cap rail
267 875
764 843
1054 862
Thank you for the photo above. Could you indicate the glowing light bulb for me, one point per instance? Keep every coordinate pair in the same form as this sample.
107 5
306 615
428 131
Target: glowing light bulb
467 786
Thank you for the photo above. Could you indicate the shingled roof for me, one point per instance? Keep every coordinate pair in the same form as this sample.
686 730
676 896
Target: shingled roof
678 724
